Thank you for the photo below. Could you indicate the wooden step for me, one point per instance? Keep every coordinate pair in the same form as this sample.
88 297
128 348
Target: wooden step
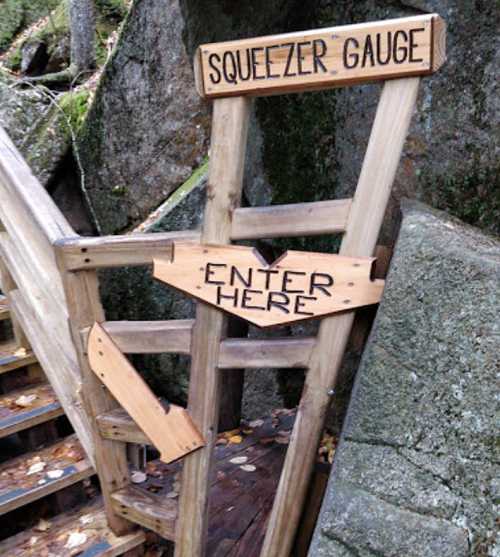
4 308
60 465
15 417
55 536
13 357
241 497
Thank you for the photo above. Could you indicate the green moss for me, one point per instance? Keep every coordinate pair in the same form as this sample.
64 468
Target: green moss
299 139
10 21
75 106
472 195
13 61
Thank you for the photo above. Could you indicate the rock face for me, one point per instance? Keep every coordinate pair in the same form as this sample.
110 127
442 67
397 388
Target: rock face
147 129
451 158
416 472
37 124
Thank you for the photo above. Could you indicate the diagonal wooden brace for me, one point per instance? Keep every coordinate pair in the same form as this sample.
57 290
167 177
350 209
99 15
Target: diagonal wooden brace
171 431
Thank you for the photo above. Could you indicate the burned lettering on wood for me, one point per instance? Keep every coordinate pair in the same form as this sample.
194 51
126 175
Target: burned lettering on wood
297 286
322 58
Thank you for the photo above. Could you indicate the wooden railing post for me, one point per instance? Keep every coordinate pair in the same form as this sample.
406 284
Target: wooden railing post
370 200
84 308
229 138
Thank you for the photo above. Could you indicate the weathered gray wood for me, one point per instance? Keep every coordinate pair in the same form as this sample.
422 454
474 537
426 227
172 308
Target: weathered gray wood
119 251
374 186
229 137
84 307
298 219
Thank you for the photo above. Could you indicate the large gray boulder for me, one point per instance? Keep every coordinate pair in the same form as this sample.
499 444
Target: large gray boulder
147 129
416 472
451 157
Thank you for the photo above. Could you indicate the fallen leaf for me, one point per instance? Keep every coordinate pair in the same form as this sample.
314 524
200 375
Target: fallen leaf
172 495
231 432
55 474
43 525
75 539
25 401
248 431
35 468
248 468
235 439
138 477
239 460
256 423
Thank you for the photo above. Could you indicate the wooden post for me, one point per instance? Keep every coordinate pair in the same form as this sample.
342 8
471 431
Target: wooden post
84 308
228 141
377 175
8 285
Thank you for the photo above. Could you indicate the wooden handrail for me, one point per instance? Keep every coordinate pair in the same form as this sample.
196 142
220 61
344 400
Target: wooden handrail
81 253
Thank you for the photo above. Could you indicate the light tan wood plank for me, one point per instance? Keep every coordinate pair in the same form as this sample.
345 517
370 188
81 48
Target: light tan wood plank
228 146
118 251
84 306
297 286
149 337
30 216
322 58
299 219
374 186
172 431
49 310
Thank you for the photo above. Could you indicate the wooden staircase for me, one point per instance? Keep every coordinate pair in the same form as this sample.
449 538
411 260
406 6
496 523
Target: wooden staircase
49 460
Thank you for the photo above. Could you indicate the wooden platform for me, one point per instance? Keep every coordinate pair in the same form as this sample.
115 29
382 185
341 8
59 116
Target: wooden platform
56 536
243 485
42 408
39 473
13 358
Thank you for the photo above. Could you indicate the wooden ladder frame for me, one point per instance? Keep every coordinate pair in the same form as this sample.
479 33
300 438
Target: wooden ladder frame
213 356
228 141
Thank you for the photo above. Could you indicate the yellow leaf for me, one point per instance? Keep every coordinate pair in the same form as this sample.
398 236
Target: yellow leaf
235 439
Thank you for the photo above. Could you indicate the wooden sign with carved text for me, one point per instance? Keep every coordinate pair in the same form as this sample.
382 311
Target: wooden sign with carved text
322 58
298 285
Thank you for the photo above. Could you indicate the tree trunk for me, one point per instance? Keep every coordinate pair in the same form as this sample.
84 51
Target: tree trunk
82 24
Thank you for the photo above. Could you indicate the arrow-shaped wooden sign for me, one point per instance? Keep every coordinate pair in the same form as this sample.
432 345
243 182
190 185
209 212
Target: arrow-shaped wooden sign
171 431
297 286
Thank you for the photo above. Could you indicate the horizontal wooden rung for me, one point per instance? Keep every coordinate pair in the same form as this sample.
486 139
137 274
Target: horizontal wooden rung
299 219
148 337
119 251
156 337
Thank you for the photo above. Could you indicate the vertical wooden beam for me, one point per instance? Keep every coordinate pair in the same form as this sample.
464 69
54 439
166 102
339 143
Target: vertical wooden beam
8 284
372 193
84 308
228 145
